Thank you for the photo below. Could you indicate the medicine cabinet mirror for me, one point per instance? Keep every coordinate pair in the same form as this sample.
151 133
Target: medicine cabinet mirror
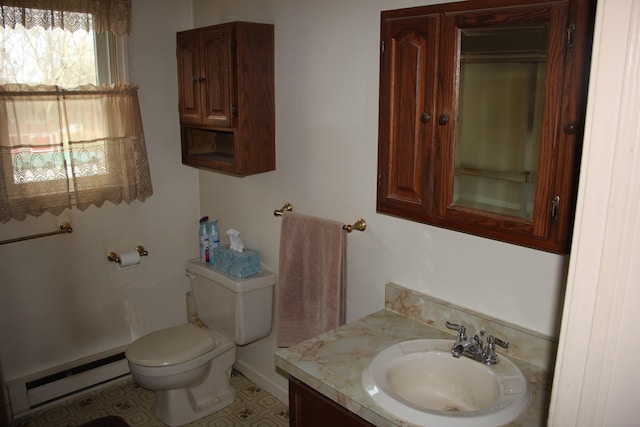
501 100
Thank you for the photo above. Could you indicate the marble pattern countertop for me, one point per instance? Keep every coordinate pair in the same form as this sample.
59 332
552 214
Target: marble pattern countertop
331 363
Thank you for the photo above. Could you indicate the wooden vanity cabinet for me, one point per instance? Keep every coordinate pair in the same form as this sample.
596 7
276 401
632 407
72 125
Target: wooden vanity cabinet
309 408
226 97
423 117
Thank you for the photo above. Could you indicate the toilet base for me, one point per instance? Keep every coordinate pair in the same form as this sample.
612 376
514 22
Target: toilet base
182 406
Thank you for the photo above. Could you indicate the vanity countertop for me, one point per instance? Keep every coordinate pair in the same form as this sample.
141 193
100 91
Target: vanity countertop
331 363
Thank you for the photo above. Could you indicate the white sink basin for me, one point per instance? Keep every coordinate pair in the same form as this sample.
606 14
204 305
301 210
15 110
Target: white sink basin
420 382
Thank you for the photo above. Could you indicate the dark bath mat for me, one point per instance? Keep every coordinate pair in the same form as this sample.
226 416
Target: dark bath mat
110 421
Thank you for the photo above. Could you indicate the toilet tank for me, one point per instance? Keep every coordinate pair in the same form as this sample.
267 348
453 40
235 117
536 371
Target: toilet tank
239 308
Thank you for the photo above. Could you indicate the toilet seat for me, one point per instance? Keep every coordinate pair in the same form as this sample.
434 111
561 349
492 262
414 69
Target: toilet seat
171 346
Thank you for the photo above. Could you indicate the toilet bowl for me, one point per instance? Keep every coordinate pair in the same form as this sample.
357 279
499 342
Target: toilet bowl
189 367
191 380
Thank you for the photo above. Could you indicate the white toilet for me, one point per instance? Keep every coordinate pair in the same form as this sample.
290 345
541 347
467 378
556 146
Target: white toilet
189 367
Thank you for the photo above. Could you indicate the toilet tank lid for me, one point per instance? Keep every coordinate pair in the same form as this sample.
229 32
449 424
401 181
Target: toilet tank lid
170 346
263 279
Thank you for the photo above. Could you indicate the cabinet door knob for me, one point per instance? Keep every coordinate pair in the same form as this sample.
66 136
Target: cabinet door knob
198 79
443 119
570 128
425 117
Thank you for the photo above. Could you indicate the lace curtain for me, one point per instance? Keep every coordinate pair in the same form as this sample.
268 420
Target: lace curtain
61 148
97 15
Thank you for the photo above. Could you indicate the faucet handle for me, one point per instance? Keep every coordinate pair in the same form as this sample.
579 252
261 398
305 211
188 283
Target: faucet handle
490 356
462 331
498 341
453 326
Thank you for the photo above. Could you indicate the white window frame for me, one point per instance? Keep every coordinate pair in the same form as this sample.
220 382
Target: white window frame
112 58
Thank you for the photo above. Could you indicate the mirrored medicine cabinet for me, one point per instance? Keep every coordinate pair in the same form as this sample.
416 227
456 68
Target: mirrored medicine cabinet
481 110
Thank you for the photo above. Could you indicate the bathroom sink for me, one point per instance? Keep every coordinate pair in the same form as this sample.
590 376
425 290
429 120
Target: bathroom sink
421 382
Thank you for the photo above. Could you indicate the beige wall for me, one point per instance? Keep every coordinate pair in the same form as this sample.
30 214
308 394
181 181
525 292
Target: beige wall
60 298
327 63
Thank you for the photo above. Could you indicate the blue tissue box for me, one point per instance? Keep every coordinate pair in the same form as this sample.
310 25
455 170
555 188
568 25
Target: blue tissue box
238 264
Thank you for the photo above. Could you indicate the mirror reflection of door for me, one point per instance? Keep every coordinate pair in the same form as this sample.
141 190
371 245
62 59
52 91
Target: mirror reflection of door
500 107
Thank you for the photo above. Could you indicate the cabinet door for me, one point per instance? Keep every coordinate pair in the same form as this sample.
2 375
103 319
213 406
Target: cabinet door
503 103
218 87
308 408
408 80
189 78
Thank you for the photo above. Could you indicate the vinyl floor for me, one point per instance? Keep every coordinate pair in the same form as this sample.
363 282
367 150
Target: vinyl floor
253 407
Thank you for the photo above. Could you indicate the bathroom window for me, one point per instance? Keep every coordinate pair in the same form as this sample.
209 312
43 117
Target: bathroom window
70 126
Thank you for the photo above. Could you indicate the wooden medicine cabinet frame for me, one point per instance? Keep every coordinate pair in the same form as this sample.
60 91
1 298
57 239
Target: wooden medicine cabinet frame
419 118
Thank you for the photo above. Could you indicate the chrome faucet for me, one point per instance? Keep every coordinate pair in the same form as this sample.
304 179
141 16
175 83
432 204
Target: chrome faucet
475 347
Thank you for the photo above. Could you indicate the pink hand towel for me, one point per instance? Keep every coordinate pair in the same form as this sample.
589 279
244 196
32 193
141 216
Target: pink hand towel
312 287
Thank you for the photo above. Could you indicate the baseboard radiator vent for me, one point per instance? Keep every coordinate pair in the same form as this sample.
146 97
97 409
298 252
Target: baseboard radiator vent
34 391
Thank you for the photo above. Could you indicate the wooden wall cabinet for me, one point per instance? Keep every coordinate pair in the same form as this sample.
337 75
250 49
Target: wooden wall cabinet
481 113
308 408
226 97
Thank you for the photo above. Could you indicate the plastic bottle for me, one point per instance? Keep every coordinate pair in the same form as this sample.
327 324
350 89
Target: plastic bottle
214 238
203 234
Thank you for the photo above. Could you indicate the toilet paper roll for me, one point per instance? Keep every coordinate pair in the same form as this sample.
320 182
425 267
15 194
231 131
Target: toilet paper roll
129 259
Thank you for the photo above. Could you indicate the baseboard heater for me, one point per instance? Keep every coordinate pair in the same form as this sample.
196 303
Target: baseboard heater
36 390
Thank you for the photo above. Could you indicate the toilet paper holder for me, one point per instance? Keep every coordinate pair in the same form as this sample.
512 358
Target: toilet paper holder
114 257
